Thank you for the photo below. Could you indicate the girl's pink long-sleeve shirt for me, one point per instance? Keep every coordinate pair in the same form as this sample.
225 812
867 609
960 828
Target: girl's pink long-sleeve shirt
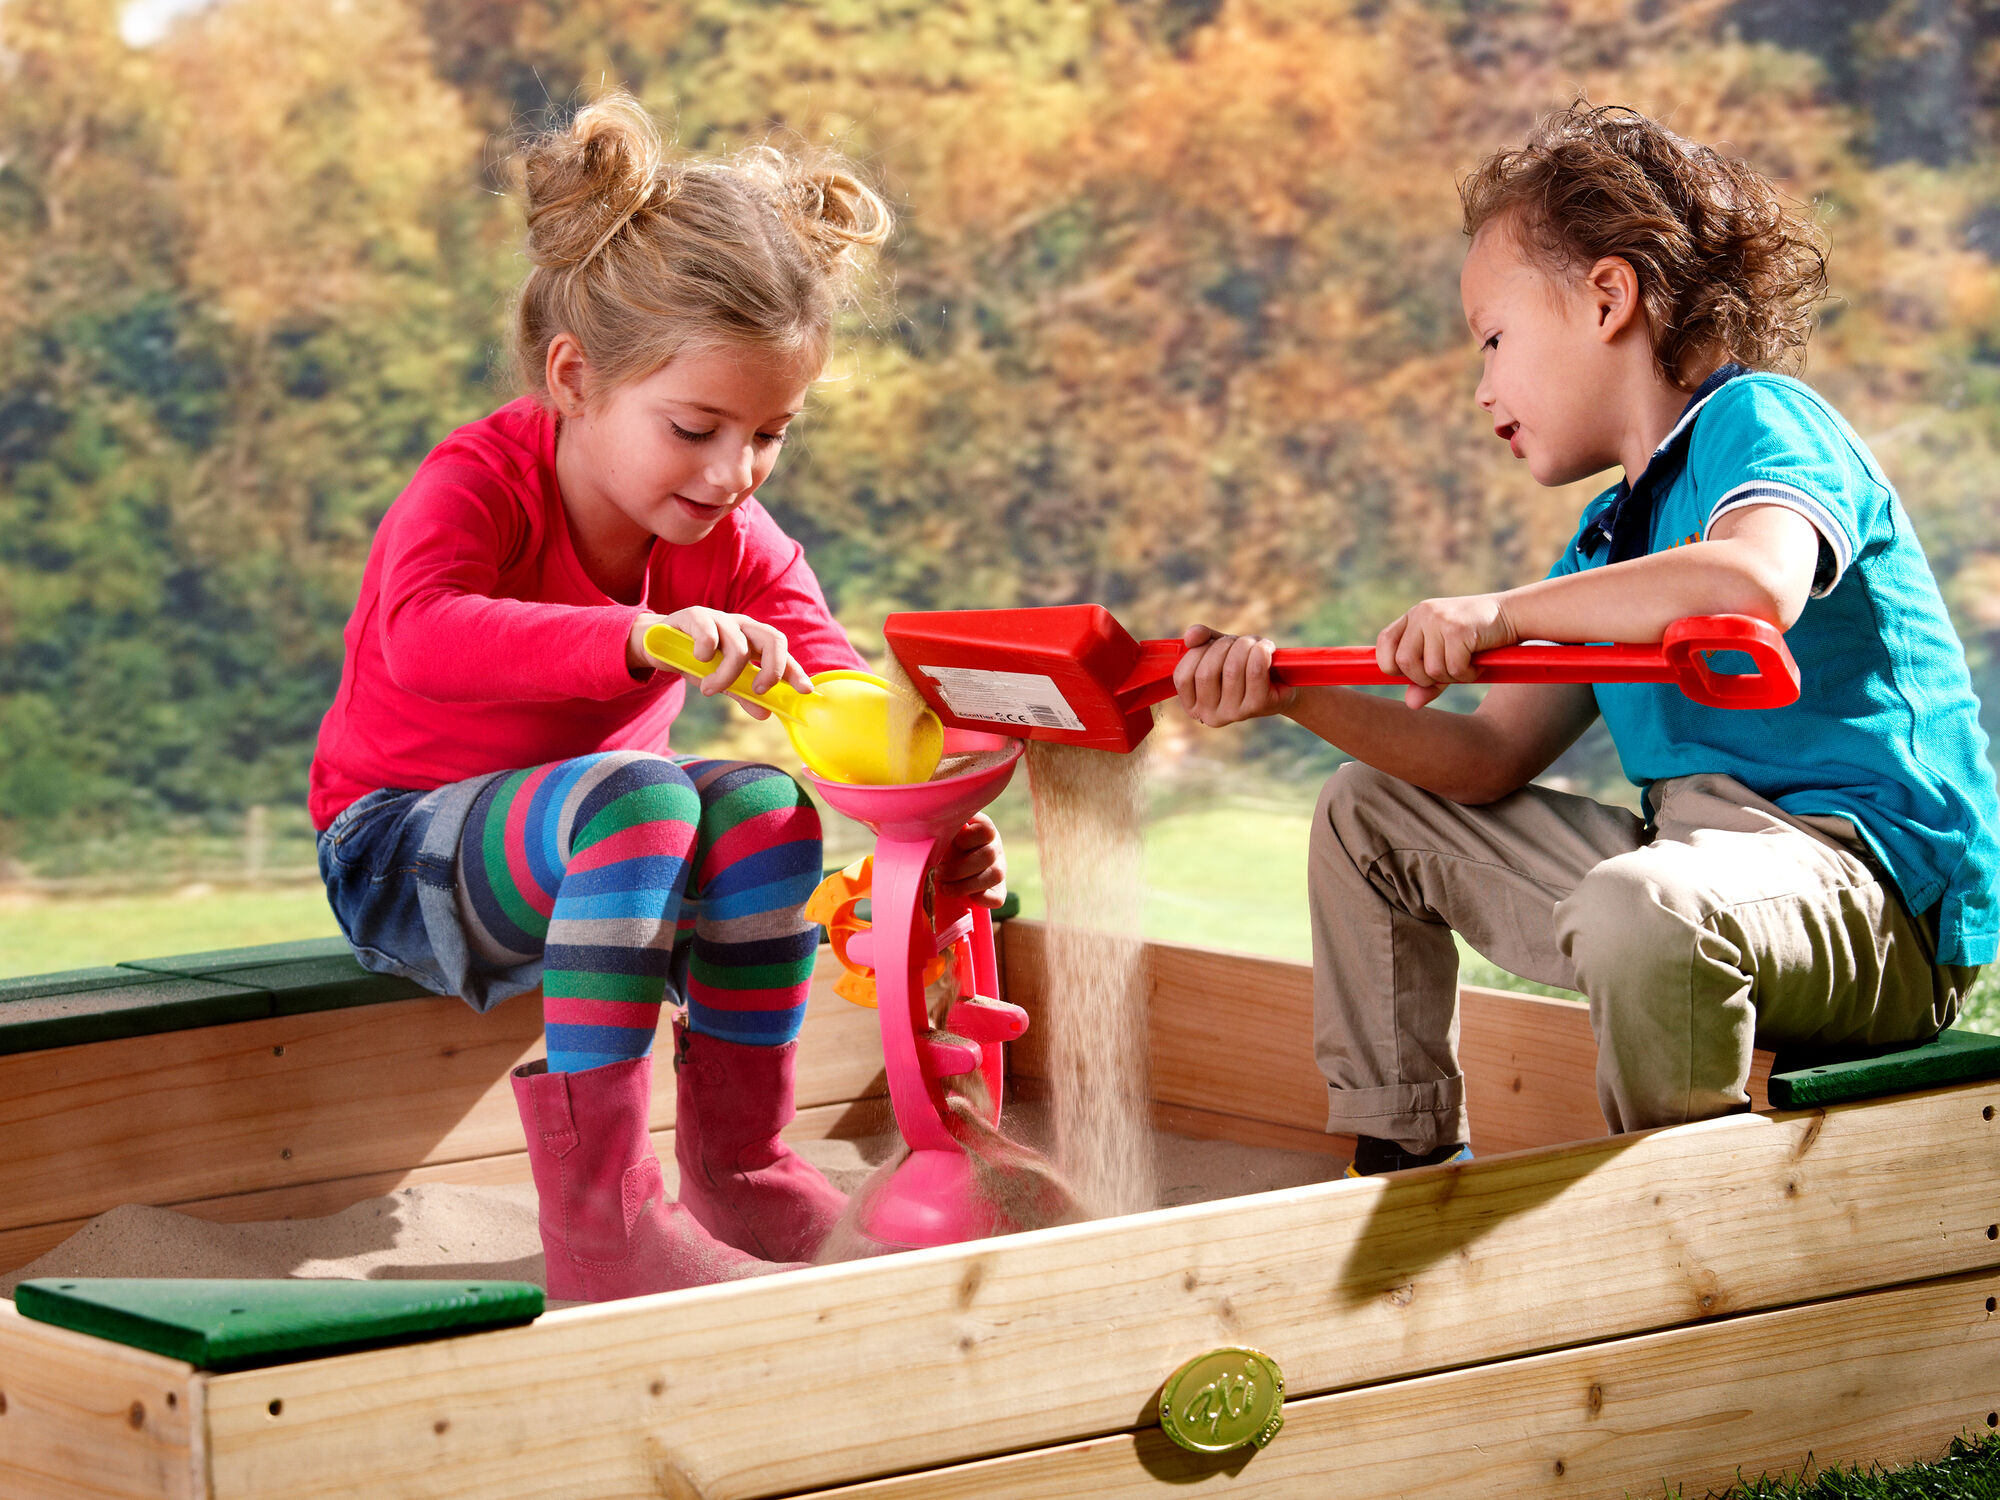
480 644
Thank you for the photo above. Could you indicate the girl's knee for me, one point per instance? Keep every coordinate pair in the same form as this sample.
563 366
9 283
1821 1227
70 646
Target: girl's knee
631 768
746 796
644 787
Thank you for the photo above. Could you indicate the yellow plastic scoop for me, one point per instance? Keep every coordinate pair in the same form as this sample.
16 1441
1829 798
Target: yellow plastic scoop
853 726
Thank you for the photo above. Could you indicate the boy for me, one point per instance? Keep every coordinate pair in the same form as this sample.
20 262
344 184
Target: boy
1817 876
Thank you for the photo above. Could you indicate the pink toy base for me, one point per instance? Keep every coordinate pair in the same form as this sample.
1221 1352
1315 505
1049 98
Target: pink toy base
931 1198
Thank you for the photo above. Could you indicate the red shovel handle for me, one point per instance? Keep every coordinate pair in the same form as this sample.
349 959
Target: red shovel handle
1681 657
1688 644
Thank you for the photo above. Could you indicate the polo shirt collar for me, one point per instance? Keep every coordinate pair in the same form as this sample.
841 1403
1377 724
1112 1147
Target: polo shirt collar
1627 522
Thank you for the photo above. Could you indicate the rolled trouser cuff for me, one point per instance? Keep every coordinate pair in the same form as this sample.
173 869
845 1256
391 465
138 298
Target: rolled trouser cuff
1416 1116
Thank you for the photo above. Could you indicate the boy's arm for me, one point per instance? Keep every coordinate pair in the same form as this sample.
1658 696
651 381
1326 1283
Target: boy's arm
1510 739
1757 561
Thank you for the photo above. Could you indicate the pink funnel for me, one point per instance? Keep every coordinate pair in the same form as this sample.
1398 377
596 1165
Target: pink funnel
931 1199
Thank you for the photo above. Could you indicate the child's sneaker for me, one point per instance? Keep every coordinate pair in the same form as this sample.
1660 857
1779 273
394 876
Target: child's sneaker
1373 1157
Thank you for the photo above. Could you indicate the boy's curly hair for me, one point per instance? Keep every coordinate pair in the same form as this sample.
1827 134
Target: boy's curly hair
1726 263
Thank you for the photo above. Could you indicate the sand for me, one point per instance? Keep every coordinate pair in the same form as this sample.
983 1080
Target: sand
1089 809
1090 815
446 1231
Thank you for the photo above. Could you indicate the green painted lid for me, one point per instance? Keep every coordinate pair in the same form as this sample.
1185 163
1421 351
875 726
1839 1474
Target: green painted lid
228 1325
1224 1399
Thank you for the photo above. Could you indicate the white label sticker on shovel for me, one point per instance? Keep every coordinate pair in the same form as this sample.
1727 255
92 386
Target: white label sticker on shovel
1022 698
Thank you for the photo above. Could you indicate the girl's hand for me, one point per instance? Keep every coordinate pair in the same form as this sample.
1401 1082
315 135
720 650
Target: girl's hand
1433 644
1225 679
974 868
738 639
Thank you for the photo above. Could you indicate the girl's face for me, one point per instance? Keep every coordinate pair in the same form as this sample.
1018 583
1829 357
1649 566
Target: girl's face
1547 384
681 448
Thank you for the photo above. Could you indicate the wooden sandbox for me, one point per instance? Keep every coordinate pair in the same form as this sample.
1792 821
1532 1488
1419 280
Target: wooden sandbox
1567 1315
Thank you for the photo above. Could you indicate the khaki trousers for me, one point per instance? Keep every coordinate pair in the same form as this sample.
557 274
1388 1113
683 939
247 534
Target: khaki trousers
1732 924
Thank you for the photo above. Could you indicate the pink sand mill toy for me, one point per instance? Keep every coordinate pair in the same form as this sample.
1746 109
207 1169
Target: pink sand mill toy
932 1197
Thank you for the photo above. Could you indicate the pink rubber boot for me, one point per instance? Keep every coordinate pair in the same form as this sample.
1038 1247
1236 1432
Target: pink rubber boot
746 1185
608 1228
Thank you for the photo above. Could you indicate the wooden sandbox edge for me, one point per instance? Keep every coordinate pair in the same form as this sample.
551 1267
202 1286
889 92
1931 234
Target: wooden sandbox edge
1883 1377
82 1416
1031 1341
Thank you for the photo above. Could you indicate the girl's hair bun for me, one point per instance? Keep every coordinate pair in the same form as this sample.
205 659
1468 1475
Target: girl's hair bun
637 255
585 183
832 211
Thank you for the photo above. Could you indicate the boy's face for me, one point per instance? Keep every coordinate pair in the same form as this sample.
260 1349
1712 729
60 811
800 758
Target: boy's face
1548 382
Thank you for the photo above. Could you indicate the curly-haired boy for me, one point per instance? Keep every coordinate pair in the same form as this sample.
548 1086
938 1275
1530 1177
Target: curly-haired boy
1820 876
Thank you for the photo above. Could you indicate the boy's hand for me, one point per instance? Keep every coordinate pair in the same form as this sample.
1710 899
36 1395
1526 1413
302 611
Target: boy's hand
974 868
1225 679
1433 644
737 639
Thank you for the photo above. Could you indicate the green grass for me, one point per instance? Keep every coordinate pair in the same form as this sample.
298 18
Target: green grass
1232 874
45 935
1221 872
1971 1471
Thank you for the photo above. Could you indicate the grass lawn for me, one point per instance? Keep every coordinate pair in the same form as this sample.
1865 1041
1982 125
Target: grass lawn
1233 875
1221 873
42 936
1971 1471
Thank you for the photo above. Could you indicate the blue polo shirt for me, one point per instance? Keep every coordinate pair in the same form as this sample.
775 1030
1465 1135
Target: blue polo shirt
1886 729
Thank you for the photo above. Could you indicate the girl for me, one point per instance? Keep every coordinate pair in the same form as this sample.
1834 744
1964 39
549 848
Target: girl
498 805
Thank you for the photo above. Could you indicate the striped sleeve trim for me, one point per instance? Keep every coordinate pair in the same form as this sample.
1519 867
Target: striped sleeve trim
1836 552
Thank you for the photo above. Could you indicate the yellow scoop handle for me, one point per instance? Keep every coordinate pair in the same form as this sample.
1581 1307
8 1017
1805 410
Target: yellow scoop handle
853 727
675 648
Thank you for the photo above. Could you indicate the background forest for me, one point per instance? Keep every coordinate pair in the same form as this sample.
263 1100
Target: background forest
1170 323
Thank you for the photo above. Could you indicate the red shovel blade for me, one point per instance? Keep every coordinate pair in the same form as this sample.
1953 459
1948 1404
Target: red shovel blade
1071 673
1046 674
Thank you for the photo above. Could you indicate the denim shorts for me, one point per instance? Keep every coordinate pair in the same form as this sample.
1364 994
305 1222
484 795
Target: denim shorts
390 863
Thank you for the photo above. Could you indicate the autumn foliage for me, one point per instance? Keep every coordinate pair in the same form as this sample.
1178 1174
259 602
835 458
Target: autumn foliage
1171 322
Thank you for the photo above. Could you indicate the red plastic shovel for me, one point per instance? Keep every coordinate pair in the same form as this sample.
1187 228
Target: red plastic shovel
1071 673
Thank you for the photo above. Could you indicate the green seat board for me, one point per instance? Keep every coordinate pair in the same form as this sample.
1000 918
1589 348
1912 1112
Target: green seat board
310 984
69 982
228 1325
150 995
224 960
150 1003
1953 1057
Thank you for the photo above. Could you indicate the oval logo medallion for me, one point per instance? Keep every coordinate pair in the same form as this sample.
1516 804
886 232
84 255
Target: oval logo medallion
1224 1399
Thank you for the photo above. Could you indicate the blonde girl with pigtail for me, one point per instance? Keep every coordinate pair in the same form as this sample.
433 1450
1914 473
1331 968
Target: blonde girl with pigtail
499 802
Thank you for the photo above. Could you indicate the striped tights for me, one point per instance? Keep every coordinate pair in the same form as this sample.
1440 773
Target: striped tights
626 871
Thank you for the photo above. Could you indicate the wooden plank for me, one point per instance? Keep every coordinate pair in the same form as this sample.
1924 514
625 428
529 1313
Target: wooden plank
1889 1377
1206 1125
1529 1062
301 1099
82 1419
135 1006
1049 1337
849 1121
1530 1070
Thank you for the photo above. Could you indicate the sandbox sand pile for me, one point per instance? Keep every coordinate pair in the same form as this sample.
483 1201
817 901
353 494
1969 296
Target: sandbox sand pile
430 1230
445 1231
1089 820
